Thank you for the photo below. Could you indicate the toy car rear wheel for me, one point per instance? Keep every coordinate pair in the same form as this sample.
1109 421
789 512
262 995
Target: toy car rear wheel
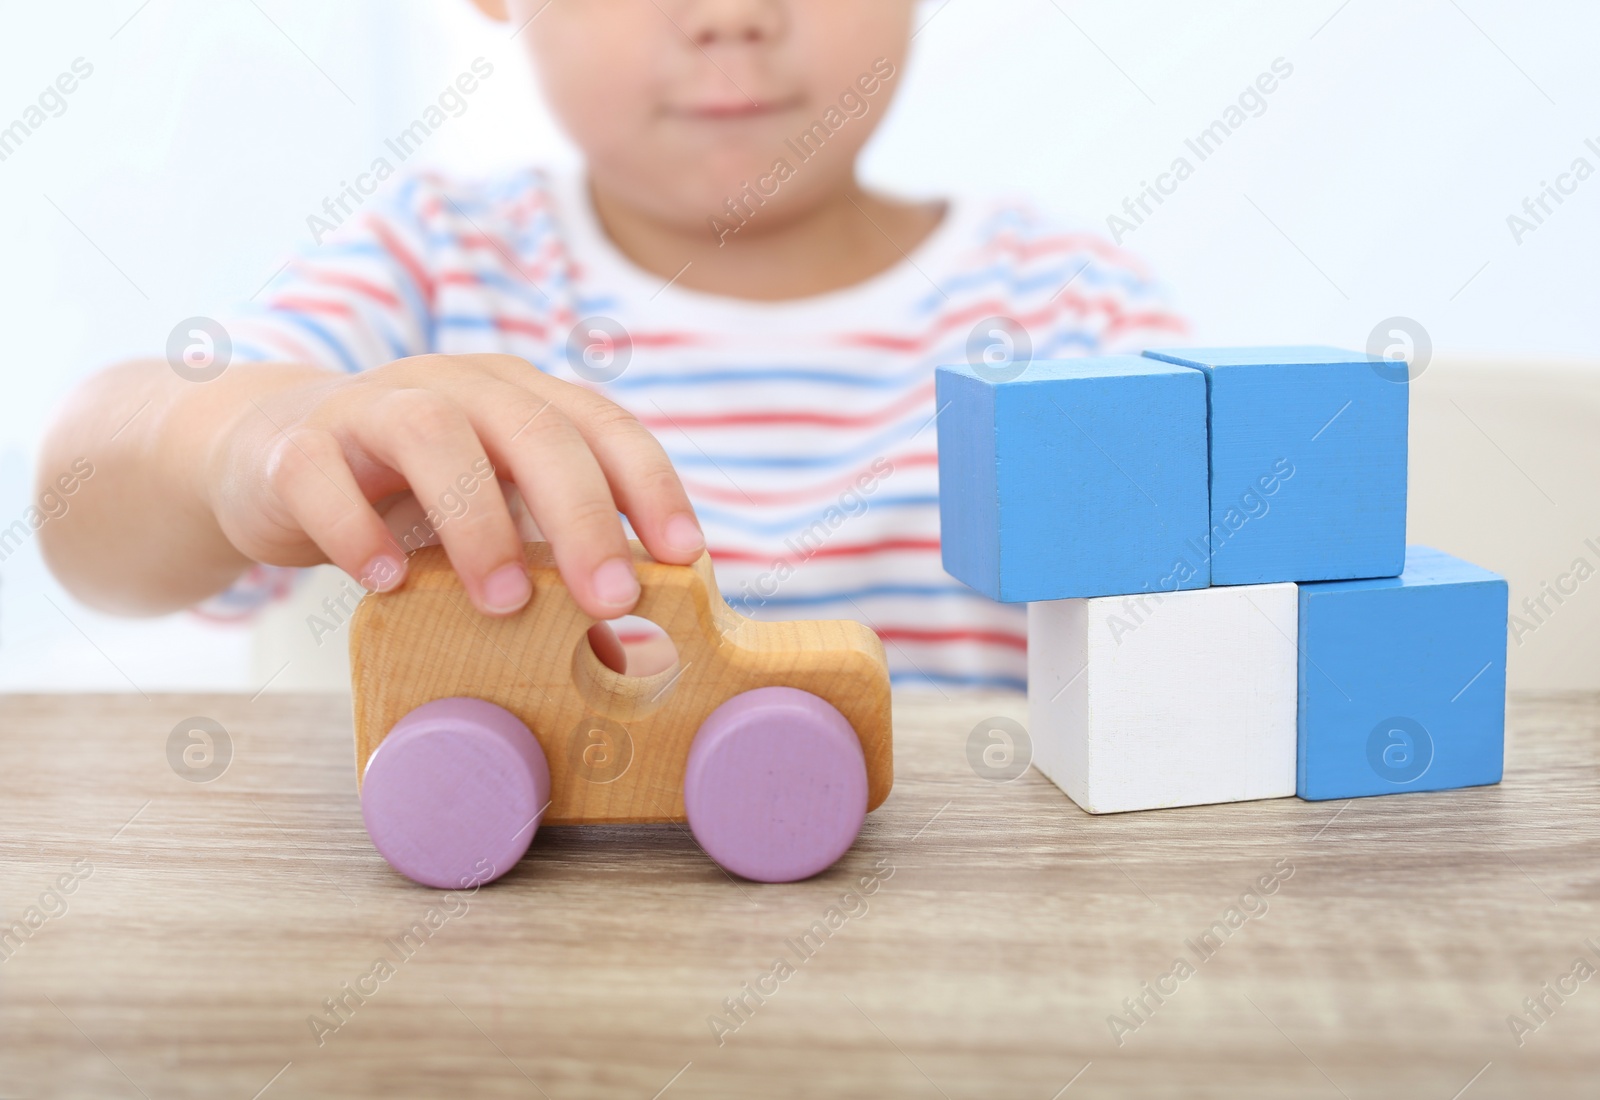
453 795
776 785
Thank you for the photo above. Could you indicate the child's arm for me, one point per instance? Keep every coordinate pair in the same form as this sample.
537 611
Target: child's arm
279 463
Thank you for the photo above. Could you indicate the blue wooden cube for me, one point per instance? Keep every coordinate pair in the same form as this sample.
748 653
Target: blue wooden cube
1308 462
1402 680
1080 477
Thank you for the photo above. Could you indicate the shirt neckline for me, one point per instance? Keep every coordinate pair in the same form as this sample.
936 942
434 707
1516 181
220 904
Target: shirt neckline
606 266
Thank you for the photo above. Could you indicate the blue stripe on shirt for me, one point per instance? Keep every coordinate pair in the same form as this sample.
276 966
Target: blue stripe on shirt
397 277
755 602
1005 275
348 361
913 676
785 373
746 522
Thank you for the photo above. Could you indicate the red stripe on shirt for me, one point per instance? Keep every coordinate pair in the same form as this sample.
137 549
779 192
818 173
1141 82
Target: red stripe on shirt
853 550
351 282
1156 320
298 352
989 637
921 396
290 303
519 324
405 259
1024 249
666 339
1117 320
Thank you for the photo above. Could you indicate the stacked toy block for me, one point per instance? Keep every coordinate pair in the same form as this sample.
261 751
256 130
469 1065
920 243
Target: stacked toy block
1222 605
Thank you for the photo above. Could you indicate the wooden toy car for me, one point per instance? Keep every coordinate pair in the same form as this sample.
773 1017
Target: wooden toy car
772 740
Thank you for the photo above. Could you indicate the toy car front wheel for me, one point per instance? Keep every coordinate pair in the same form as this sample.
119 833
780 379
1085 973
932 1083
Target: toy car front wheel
776 785
453 795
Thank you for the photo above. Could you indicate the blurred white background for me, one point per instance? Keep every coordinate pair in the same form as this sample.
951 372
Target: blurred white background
1377 182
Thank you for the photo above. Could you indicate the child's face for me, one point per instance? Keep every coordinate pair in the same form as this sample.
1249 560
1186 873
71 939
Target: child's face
678 104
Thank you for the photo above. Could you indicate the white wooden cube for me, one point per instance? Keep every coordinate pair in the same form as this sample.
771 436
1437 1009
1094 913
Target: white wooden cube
1166 699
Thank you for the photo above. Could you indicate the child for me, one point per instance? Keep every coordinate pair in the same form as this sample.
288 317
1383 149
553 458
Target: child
715 331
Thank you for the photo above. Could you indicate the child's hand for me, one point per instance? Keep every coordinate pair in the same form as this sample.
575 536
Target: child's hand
295 481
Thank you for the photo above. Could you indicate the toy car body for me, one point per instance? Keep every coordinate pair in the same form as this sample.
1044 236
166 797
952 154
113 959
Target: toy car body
468 725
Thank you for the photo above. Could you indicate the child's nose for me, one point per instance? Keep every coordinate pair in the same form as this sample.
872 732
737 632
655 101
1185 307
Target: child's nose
730 22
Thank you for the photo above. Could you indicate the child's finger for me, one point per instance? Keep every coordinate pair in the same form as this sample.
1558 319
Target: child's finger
311 478
407 521
430 441
642 478
565 491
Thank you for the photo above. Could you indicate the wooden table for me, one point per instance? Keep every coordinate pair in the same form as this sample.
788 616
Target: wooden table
208 922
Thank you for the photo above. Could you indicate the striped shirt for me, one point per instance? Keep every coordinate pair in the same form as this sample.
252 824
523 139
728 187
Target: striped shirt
803 430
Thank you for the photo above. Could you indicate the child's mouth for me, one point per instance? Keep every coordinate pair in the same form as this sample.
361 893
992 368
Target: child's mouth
735 110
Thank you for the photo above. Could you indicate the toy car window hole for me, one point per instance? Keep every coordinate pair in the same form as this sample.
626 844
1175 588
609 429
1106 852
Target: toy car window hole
619 695
648 646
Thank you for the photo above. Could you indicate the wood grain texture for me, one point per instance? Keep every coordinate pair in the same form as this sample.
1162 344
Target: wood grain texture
1006 927
425 641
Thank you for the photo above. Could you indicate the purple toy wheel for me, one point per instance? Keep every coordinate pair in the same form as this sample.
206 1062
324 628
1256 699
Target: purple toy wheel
776 785
453 796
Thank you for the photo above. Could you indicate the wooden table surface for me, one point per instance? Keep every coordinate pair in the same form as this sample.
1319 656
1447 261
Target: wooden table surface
208 922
